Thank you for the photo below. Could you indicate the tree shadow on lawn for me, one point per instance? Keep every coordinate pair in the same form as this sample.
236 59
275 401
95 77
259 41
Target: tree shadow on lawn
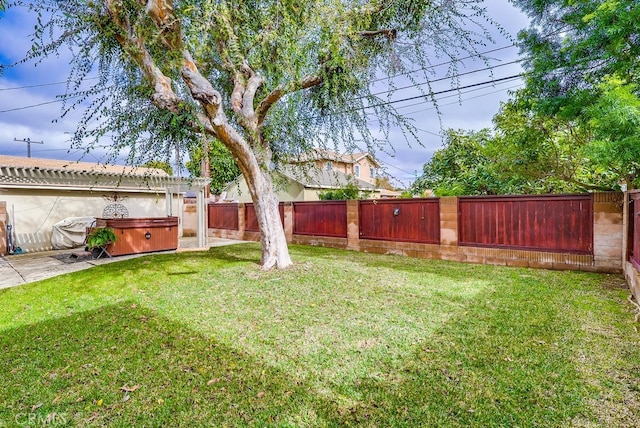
127 366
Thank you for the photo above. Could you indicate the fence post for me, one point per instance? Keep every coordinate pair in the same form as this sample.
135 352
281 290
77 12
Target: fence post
288 220
241 221
3 228
353 225
608 230
449 225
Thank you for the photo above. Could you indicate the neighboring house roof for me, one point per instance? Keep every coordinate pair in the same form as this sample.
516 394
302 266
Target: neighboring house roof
21 172
40 163
316 178
328 155
386 193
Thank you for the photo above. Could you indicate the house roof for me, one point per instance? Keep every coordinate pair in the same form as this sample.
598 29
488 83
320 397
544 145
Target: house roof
316 178
329 155
21 172
54 164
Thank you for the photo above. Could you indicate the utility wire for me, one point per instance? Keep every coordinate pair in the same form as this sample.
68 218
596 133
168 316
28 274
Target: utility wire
447 77
377 80
374 105
443 63
41 85
38 105
432 94
454 95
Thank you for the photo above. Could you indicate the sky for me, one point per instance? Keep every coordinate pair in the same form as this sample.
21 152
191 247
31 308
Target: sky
30 109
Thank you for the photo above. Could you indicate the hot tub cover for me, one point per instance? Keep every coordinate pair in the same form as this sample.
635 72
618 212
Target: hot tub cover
70 232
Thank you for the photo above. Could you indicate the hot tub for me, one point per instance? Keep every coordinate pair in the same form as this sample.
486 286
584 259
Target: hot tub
141 235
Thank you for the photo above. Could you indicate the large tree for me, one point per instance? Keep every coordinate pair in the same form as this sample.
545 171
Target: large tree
264 77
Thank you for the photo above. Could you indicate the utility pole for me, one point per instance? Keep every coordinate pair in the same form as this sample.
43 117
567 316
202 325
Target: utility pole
28 141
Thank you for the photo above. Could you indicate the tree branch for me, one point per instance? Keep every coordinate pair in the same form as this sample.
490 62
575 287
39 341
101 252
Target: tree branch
390 33
275 95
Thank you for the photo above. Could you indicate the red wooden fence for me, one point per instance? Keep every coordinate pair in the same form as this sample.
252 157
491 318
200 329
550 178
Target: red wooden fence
323 218
404 220
222 216
251 221
557 223
634 229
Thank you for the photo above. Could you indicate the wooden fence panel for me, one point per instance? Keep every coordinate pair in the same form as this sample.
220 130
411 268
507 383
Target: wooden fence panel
323 218
222 216
403 220
634 229
556 223
251 221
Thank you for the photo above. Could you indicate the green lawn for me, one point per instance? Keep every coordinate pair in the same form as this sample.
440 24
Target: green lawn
340 339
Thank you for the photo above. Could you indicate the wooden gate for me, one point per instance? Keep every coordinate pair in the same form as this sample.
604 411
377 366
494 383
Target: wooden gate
402 220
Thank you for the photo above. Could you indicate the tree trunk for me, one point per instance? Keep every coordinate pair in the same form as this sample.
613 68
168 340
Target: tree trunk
275 252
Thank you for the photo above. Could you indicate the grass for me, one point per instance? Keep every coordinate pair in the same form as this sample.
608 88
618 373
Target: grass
340 339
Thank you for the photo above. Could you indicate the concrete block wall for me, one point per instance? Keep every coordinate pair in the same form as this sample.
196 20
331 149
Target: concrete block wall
607 255
608 230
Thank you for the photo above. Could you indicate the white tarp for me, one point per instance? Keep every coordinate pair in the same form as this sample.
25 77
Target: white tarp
70 232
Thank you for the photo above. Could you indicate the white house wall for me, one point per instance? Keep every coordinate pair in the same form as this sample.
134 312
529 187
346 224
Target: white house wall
290 191
35 211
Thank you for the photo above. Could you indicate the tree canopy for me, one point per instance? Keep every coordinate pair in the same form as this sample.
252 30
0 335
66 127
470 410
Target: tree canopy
529 151
572 45
583 63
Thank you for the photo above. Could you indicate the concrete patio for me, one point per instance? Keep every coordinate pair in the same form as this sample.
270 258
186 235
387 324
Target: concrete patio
21 269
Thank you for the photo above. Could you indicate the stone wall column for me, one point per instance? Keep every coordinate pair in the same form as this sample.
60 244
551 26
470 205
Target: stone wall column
608 230
241 220
288 220
353 225
448 226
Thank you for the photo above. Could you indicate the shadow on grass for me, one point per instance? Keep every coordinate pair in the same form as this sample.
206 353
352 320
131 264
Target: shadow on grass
127 366
238 253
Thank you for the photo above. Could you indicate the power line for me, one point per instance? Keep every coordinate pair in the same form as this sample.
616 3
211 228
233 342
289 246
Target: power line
40 85
448 104
467 99
444 63
451 96
38 105
448 77
432 94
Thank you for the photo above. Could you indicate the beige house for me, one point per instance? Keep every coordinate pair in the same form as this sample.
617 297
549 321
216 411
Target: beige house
38 193
362 166
300 184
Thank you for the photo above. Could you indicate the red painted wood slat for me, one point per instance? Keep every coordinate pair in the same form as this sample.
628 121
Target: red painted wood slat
323 218
251 221
222 216
635 229
557 223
